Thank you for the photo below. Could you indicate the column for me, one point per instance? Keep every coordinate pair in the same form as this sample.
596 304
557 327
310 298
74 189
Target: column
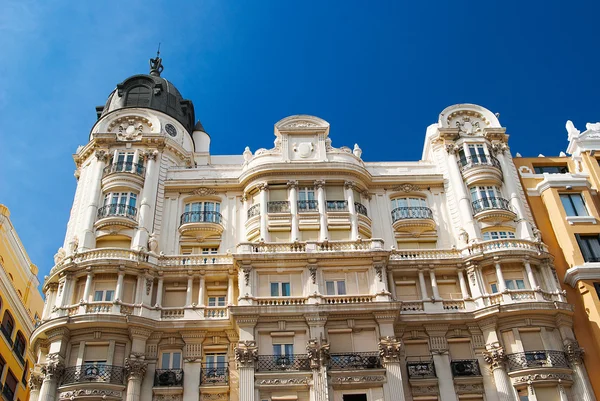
159 291
495 357
264 200
139 289
389 349
392 285
192 363
229 291
94 191
500 278
246 354
511 187
147 200
52 372
188 293
464 200
244 218
293 199
582 389
319 184
119 288
348 185
424 295
202 290
88 287
244 284
472 273
562 392
318 354
530 275
35 384
135 364
438 345
463 284
434 286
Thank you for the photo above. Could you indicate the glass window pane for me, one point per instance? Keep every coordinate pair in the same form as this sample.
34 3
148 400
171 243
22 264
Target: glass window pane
594 247
520 284
211 301
165 361
341 287
109 295
285 289
567 205
276 349
330 287
510 284
494 288
98 296
221 301
176 360
274 289
486 236
289 349
579 205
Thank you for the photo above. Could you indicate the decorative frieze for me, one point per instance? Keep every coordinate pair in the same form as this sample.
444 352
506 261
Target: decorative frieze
389 349
358 379
469 388
543 377
96 393
246 353
283 381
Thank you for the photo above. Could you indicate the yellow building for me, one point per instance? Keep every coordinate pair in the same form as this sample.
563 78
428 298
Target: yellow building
21 305
563 194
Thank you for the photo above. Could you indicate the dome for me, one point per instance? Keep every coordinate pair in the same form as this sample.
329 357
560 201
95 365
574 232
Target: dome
151 91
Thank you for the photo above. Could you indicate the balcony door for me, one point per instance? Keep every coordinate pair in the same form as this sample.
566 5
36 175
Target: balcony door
171 361
216 365
354 397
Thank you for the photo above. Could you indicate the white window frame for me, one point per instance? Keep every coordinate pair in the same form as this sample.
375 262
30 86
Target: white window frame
495 235
408 201
336 287
171 360
104 295
210 251
479 192
120 198
202 206
217 300
280 288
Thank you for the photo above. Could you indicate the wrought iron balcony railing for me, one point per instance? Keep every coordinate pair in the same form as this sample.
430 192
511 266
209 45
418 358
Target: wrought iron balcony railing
168 378
214 375
125 167
411 212
254 211
337 205
421 369
278 206
465 367
355 360
7 393
360 209
491 203
7 335
308 206
466 163
201 217
274 363
537 359
97 373
119 209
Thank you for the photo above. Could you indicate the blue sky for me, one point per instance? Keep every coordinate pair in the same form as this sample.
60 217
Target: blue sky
379 71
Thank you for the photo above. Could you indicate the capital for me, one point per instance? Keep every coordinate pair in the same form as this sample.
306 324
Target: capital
318 353
135 367
452 148
53 368
246 353
292 184
35 380
101 155
495 356
574 352
319 183
263 187
389 349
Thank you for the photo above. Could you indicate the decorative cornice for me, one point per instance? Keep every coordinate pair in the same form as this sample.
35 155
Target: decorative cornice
407 188
587 271
358 379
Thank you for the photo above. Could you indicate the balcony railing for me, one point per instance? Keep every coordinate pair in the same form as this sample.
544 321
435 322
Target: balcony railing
421 369
411 212
337 205
201 217
168 378
125 167
7 393
117 210
96 373
275 363
212 375
491 203
465 367
254 211
356 360
469 162
360 209
278 206
308 206
537 359
7 335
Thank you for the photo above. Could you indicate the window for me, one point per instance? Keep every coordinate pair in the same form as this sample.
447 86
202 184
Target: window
283 349
210 251
560 169
19 347
491 235
354 397
410 208
596 286
574 204
104 295
494 287
476 154
123 161
216 365
336 287
280 289
516 284
195 212
2 363
138 96
10 385
8 324
216 301
120 204
25 371
487 197
589 246
171 360
306 199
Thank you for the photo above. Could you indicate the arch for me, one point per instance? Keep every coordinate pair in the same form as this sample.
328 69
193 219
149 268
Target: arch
301 122
138 96
20 344
489 118
8 324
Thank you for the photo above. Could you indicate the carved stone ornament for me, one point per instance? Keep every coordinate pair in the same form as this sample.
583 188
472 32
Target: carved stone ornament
53 368
203 191
358 379
543 376
130 130
312 270
101 155
452 148
407 188
135 368
303 149
301 124
246 353
215 397
499 147
148 286
35 380
495 356
283 381
574 352
318 353
59 256
468 125
150 154
389 349
379 271
246 271
95 393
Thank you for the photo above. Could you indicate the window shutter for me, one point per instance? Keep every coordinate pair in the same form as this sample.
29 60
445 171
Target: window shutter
95 352
340 342
417 349
119 355
460 350
531 340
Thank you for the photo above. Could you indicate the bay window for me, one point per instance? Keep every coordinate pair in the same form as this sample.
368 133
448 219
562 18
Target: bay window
119 204
487 197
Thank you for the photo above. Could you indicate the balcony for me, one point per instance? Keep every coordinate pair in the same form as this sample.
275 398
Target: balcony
305 206
421 369
282 363
413 218
356 360
465 367
336 205
278 207
125 167
480 168
117 214
254 211
212 375
93 373
360 209
168 378
493 210
537 359
208 223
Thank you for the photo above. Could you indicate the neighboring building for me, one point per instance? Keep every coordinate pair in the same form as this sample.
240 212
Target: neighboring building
563 193
299 272
21 305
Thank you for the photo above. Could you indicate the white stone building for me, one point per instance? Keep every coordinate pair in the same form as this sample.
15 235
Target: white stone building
299 272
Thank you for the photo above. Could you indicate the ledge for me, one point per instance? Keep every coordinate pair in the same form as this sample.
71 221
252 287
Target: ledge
587 271
581 219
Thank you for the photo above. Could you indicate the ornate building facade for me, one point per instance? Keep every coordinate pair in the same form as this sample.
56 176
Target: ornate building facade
563 193
20 305
299 272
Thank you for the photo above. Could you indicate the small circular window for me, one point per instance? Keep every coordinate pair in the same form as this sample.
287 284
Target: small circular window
171 130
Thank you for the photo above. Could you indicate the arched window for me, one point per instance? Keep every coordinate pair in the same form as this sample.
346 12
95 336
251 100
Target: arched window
8 325
20 344
138 96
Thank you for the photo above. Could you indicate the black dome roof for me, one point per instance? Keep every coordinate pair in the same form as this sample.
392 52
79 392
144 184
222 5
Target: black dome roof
151 91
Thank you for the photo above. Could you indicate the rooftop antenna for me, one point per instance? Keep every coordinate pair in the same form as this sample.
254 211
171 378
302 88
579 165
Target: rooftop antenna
156 66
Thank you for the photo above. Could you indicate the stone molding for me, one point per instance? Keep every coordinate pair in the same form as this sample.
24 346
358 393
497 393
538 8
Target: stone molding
246 353
54 367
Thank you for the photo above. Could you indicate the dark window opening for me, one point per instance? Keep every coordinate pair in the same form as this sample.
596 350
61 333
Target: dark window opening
355 397
589 246
597 287
551 169
138 96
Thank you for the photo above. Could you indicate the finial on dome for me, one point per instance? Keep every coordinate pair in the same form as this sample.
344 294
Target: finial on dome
156 66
